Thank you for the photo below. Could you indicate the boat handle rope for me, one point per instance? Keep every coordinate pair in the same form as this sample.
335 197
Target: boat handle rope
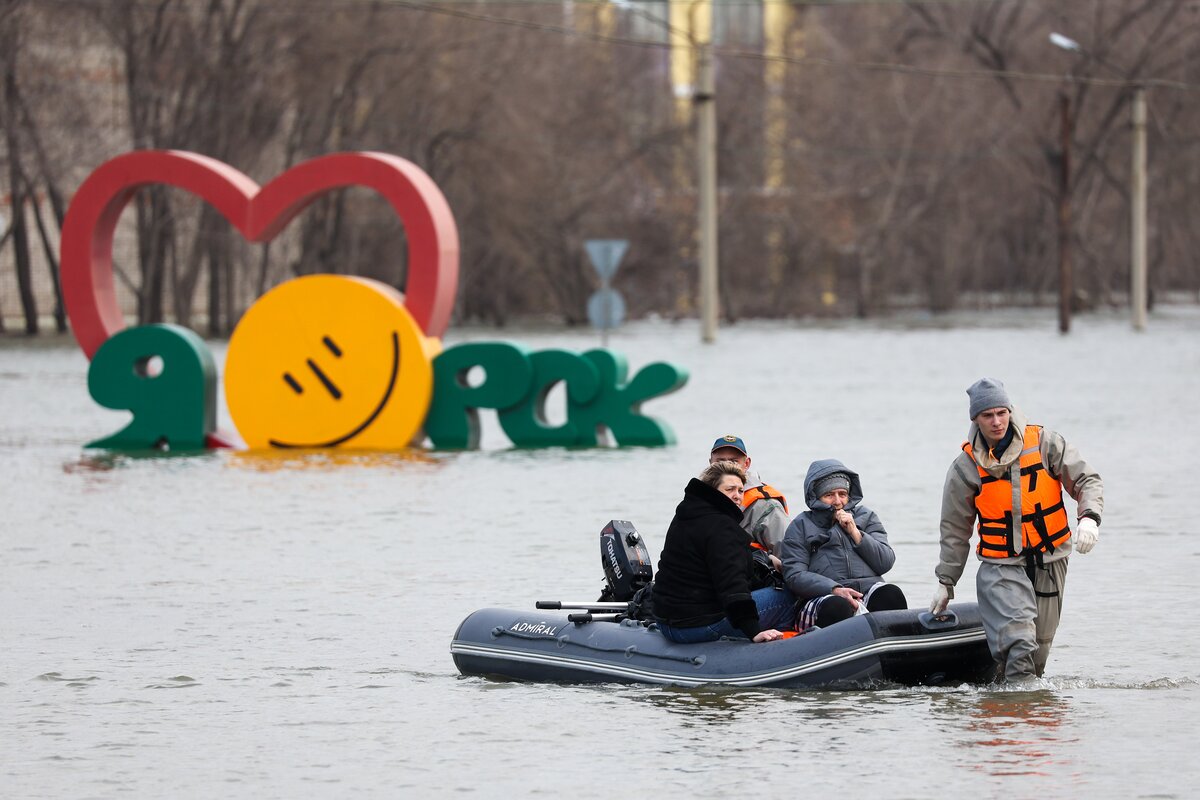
628 651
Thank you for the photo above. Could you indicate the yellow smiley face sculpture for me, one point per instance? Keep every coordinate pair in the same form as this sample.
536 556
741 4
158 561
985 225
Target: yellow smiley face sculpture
329 361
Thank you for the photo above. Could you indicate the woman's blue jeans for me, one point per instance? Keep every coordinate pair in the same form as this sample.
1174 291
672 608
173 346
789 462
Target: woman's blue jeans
776 609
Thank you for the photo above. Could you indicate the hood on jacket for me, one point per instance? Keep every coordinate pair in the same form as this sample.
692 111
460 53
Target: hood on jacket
979 446
821 469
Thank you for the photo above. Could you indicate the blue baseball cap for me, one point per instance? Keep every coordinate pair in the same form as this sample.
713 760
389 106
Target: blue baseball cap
729 440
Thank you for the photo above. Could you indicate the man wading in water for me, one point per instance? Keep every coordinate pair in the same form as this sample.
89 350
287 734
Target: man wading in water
1011 476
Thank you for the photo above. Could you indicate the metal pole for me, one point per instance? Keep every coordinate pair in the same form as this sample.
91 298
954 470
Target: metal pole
1137 205
706 138
1064 220
605 314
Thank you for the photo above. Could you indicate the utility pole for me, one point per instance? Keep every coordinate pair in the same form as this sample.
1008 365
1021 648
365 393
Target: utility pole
1064 219
705 103
1137 206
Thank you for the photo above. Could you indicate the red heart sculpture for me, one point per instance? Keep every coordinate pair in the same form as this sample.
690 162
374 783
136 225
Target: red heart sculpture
259 213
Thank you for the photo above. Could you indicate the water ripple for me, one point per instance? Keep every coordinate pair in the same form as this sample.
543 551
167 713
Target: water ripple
57 677
178 682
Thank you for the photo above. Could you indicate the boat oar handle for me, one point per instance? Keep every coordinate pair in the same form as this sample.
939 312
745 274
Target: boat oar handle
563 605
588 616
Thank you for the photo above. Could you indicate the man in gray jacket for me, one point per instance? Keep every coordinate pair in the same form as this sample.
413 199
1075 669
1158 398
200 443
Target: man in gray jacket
1010 478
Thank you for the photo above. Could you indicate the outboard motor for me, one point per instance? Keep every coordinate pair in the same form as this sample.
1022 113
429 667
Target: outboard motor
626 561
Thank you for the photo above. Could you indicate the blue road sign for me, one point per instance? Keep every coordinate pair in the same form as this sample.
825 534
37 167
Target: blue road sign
606 309
606 255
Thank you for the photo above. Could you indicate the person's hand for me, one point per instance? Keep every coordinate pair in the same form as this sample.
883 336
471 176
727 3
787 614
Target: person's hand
940 600
845 519
848 593
1086 536
775 562
769 635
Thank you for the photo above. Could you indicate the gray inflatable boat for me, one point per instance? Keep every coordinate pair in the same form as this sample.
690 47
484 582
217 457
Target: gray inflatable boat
877 649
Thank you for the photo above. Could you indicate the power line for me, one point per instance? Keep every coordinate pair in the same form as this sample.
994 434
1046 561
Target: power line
1055 78
620 3
454 9
910 69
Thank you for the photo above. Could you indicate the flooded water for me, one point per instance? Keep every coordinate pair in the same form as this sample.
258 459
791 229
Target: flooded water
279 625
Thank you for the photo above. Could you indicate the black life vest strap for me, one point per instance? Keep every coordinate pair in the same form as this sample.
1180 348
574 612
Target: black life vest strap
1039 525
1002 524
1032 472
1033 562
768 496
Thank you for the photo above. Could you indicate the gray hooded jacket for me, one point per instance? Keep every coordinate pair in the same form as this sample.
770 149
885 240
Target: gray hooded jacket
1061 460
818 556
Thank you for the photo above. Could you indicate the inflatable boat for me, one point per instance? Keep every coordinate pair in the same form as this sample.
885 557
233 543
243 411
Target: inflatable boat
881 648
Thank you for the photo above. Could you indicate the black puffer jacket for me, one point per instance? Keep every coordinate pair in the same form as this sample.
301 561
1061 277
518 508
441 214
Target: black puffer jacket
705 566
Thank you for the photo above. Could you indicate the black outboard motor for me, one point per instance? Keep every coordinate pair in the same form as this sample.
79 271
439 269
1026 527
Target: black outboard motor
626 561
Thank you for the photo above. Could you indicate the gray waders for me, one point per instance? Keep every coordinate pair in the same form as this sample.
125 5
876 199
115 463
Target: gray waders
1020 614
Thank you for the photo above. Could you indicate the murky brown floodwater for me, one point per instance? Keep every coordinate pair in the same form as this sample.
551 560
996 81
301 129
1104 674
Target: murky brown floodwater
278 626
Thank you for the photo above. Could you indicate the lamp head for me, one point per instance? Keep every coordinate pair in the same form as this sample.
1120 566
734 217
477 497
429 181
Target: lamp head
1065 42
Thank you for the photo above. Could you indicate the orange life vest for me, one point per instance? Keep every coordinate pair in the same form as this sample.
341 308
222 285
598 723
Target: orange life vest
765 491
1044 525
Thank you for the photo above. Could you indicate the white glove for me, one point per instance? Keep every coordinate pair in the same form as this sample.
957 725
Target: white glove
940 600
1086 536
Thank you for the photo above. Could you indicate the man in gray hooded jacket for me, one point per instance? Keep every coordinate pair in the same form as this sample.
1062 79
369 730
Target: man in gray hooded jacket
835 554
1010 478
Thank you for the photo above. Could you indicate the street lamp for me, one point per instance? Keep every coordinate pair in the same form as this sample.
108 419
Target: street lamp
1064 195
704 101
1137 192
1065 42
706 143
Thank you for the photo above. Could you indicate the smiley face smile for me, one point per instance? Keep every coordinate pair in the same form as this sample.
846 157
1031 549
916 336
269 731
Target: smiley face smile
337 394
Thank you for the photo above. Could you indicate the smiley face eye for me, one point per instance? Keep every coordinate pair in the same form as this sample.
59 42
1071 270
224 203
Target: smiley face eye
330 386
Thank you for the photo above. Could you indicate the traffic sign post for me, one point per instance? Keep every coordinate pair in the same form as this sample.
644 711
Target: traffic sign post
606 307
606 310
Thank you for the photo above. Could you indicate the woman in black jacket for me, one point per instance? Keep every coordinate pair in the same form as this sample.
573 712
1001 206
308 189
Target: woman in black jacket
702 588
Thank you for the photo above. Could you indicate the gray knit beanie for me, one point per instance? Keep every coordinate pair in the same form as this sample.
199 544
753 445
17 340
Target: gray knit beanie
986 393
834 480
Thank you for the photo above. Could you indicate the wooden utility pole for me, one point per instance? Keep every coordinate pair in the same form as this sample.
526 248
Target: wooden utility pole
1137 206
706 138
1064 220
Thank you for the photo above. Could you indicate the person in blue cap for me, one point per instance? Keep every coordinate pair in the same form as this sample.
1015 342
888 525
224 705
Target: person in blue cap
764 508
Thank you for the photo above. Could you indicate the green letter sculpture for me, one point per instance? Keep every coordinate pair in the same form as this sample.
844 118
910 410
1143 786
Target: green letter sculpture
453 422
176 408
618 406
516 385
526 423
